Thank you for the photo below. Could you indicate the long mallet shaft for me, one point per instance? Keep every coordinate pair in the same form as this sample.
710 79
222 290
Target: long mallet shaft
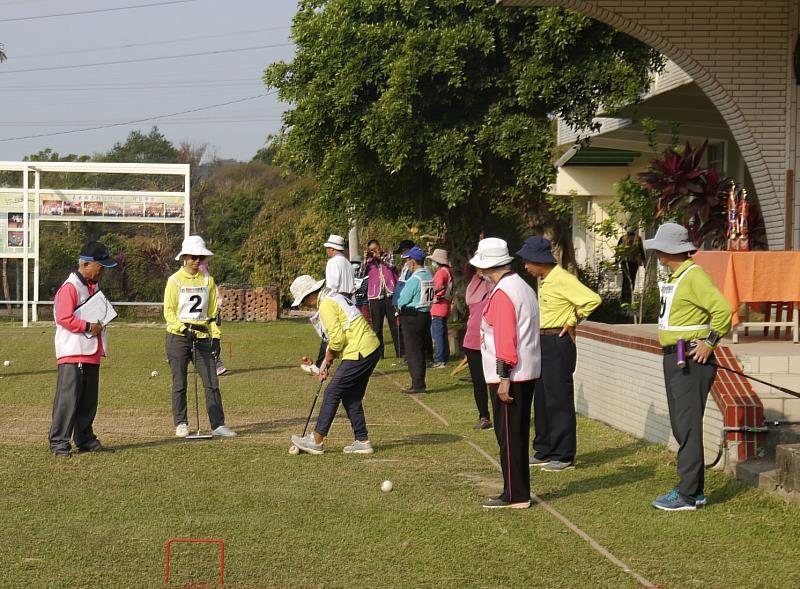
758 380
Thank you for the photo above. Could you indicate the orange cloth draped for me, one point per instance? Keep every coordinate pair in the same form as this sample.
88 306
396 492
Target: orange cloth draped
753 277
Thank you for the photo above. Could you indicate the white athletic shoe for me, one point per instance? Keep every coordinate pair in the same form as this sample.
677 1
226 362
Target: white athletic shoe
182 430
224 432
309 368
358 447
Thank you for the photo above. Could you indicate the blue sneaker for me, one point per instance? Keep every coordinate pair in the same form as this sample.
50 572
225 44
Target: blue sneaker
699 499
673 501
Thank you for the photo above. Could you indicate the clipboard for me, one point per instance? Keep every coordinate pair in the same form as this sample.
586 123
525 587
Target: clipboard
96 309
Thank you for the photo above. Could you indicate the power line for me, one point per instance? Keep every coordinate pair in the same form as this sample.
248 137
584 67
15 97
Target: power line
144 59
150 44
59 15
136 121
132 87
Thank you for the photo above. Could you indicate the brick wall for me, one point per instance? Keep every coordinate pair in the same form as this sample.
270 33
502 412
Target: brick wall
739 53
619 381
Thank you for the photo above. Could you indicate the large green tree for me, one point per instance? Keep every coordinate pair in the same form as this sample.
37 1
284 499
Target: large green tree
443 110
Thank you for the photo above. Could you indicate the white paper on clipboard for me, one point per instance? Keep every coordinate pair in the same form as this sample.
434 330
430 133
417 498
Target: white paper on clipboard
96 309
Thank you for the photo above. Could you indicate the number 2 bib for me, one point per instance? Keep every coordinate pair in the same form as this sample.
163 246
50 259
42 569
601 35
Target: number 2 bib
193 303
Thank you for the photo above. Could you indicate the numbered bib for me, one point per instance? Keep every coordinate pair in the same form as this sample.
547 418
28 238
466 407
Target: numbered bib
667 291
193 303
427 293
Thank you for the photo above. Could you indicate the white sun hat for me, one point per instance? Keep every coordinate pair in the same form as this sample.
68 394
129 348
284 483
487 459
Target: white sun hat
336 242
302 286
492 252
671 238
194 245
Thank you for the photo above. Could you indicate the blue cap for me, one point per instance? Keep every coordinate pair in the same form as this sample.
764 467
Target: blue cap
537 250
415 253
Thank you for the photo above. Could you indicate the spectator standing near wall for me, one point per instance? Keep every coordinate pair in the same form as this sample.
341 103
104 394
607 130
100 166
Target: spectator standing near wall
695 311
563 302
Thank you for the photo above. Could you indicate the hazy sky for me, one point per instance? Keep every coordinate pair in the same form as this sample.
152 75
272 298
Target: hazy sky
54 96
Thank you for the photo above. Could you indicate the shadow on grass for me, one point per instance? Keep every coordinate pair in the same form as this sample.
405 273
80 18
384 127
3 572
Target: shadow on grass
422 440
607 455
233 371
618 478
263 427
30 373
728 491
149 444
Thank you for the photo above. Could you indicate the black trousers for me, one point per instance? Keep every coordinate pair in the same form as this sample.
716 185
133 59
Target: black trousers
629 271
348 386
479 389
75 407
179 354
380 309
687 393
554 402
512 427
416 331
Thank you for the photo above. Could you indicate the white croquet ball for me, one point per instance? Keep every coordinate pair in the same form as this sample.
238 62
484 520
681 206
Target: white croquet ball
386 486
294 450
7 363
154 373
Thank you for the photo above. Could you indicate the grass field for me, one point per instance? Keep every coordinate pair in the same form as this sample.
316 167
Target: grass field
322 521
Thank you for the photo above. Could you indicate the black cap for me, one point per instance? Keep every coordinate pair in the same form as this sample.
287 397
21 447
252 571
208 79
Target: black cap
94 251
404 245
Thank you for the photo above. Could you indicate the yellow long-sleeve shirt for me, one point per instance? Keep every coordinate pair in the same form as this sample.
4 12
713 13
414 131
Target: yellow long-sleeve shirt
696 302
348 341
171 298
561 296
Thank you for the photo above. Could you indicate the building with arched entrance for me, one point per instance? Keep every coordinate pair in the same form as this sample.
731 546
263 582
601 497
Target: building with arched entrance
744 55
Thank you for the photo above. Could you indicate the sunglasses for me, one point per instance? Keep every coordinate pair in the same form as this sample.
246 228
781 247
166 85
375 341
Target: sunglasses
201 258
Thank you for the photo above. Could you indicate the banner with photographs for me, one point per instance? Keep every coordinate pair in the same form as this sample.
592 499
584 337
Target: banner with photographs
12 222
83 206
112 207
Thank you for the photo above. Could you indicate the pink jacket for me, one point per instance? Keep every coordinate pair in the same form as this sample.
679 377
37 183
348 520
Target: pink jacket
478 291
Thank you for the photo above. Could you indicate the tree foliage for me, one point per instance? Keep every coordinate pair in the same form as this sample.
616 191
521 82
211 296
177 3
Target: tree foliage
443 109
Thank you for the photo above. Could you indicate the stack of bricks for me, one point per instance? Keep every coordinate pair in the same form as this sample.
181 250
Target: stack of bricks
248 303
263 303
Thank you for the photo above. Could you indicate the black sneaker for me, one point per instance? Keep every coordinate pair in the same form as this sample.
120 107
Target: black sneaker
413 391
483 424
96 448
497 503
61 453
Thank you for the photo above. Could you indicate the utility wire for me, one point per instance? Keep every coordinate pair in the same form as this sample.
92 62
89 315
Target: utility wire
136 121
144 59
59 15
150 44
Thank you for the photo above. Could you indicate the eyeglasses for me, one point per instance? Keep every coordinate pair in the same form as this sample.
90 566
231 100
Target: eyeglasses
201 258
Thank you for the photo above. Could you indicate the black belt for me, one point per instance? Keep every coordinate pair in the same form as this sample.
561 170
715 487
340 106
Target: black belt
674 349
551 331
200 328
412 312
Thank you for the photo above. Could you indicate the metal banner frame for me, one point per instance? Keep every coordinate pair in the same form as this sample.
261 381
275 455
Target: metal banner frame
37 168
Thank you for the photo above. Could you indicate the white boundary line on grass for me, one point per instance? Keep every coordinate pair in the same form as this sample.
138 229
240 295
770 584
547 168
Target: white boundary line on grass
596 546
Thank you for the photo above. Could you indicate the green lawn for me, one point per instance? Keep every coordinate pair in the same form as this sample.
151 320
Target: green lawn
322 521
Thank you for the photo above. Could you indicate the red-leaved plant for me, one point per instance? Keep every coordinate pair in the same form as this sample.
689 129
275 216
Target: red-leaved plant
689 193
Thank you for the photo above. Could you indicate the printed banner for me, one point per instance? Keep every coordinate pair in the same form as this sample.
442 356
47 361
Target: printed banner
58 206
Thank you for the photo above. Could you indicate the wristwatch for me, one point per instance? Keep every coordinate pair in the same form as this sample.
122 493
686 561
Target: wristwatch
713 338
